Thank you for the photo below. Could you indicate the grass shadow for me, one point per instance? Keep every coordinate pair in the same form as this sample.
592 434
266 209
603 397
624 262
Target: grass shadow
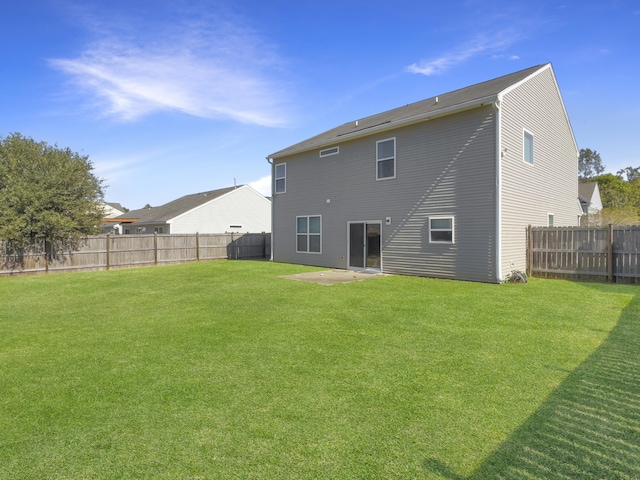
589 428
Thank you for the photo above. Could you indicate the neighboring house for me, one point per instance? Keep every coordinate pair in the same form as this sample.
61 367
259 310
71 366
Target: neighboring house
589 195
232 209
112 210
444 187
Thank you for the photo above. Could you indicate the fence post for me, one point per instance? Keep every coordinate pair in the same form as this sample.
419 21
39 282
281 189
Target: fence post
197 246
155 248
108 250
46 257
610 254
529 250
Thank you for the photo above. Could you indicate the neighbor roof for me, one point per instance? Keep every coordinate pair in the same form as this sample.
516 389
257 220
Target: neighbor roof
175 208
439 105
586 189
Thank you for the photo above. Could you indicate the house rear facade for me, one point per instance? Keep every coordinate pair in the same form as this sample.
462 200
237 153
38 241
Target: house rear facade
442 188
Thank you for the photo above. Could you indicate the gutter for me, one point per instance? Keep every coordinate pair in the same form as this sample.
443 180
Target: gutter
273 199
498 216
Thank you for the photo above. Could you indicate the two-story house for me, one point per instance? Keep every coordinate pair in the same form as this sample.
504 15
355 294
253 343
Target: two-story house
444 187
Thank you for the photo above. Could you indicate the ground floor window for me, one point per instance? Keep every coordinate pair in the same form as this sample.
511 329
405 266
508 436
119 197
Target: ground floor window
441 230
309 234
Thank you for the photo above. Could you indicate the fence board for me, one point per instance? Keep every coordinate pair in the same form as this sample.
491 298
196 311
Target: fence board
609 253
122 251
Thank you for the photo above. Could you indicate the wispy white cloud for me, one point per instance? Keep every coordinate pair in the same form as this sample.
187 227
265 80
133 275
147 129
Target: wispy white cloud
480 45
262 185
209 67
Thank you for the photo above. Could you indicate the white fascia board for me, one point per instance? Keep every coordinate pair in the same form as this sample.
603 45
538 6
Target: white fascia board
391 125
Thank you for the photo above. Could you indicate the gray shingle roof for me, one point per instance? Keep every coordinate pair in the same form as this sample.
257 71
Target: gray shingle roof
586 189
440 104
177 207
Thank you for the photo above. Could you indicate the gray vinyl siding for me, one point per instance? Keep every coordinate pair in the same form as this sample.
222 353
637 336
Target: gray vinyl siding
444 167
531 192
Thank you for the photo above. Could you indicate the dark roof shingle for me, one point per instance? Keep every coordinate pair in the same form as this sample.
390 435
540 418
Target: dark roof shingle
177 207
451 101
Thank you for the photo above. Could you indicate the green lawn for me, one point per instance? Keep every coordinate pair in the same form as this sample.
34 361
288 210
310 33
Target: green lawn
224 370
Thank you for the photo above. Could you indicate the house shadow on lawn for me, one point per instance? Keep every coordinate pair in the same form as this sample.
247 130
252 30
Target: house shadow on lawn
589 428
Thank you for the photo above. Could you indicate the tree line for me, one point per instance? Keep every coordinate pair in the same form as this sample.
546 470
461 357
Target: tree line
620 192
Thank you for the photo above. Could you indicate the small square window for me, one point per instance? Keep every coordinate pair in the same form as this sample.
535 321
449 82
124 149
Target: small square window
441 230
281 178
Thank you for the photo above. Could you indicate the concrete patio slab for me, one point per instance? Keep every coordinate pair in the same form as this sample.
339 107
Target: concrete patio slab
331 277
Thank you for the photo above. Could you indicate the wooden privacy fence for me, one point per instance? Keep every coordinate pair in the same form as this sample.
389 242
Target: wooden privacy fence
105 252
602 254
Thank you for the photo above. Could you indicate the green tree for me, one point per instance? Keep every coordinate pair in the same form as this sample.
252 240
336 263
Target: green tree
46 194
629 172
589 164
614 191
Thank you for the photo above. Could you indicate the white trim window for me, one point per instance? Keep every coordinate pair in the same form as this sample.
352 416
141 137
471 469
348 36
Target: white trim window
280 178
527 147
309 234
329 151
386 159
441 230
550 219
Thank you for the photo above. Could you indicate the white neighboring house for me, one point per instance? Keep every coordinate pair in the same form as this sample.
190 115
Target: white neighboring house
112 210
233 209
589 195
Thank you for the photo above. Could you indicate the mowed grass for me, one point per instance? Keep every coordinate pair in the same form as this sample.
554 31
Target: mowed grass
225 370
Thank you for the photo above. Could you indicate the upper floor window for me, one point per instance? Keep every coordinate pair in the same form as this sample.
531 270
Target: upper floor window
386 159
281 178
329 151
528 147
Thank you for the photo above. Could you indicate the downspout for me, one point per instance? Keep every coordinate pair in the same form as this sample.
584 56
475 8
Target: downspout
273 199
498 190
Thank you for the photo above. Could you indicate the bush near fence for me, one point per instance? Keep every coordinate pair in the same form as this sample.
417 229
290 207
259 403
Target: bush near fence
601 254
105 252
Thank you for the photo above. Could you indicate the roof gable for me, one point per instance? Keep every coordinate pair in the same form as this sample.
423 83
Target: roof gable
168 211
586 190
447 103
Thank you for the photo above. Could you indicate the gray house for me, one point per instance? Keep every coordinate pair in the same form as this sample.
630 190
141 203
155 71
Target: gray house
444 187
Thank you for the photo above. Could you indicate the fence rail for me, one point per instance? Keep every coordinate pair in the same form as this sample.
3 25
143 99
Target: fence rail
601 254
107 252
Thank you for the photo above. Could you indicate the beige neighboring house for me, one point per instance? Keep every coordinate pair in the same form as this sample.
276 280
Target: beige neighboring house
232 209
444 187
589 195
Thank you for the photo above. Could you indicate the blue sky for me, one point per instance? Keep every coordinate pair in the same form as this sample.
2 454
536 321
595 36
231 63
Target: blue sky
169 98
